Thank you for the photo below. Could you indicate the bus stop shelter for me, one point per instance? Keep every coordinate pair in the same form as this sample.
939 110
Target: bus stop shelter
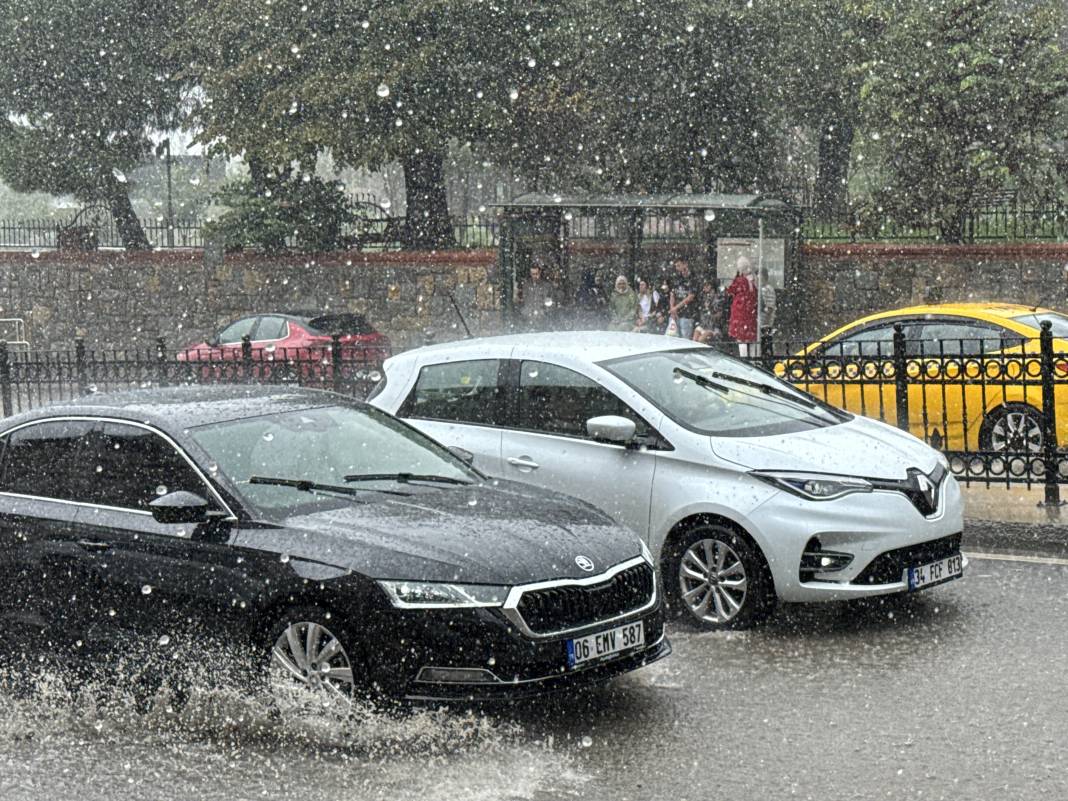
637 236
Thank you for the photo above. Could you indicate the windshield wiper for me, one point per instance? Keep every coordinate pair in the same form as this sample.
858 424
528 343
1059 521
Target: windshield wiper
302 485
767 389
406 478
701 381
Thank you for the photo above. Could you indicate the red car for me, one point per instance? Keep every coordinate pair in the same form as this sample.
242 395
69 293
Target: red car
295 338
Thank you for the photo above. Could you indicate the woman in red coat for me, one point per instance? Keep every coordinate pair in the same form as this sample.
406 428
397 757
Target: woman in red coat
743 321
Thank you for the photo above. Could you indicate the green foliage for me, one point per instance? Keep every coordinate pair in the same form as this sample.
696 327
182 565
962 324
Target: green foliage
965 99
81 82
308 211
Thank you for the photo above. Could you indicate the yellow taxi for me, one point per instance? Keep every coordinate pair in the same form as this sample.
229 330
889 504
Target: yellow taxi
973 373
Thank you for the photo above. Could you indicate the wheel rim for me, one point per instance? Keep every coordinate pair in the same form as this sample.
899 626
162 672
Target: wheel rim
712 581
309 664
1016 431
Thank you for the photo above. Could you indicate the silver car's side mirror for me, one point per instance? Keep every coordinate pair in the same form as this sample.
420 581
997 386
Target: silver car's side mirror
462 454
611 428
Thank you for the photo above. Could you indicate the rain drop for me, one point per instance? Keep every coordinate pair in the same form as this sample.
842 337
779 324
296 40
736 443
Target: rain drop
194 181
268 437
146 590
120 176
472 501
531 63
382 90
284 558
709 215
35 254
161 490
587 741
513 94
387 203
548 302
164 640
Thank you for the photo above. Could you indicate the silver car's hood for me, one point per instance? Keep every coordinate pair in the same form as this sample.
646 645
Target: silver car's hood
860 447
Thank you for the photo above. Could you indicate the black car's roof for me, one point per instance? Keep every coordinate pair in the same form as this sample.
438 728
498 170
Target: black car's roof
179 408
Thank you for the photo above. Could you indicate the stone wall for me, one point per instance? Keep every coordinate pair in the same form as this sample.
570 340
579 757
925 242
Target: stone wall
118 300
838 283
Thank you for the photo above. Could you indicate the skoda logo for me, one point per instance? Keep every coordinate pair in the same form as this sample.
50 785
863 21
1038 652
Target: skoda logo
585 563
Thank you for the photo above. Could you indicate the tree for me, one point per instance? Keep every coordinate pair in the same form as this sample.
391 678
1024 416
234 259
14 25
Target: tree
964 100
83 84
372 83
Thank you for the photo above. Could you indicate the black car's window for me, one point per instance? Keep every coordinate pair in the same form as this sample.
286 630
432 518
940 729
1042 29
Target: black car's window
937 337
48 460
271 328
556 400
234 332
132 466
466 392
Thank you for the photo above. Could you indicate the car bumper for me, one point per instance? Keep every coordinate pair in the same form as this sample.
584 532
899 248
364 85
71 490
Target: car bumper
882 532
491 660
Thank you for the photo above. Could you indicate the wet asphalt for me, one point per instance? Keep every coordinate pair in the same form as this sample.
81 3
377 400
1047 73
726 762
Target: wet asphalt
959 692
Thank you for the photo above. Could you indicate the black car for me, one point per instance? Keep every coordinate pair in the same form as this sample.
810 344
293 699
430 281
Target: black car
351 551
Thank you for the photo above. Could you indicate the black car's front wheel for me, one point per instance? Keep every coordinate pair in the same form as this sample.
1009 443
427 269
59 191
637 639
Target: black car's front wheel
311 664
717 579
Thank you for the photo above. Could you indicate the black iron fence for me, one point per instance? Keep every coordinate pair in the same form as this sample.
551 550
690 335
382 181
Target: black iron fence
996 407
29 378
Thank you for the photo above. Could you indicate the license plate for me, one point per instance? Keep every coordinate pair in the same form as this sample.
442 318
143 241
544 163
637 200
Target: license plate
605 644
935 572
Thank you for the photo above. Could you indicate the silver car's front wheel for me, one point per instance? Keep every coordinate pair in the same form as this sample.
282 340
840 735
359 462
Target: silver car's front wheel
712 581
310 666
717 578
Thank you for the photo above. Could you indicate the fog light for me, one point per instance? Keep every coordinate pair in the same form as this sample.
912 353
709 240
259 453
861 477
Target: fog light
451 675
824 561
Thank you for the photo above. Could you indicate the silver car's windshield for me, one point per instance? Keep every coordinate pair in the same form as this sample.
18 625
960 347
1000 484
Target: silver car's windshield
711 393
319 448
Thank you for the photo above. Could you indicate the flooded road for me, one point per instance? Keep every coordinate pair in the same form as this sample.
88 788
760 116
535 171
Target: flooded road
959 694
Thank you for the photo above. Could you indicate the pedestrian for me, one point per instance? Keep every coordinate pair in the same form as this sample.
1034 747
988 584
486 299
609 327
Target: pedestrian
711 305
681 307
590 303
743 318
622 306
767 301
537 301
649 307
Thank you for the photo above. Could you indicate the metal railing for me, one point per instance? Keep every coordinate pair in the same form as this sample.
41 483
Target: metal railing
997 408
30 378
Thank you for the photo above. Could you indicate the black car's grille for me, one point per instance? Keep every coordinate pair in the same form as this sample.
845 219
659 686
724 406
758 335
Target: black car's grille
886 568
572 606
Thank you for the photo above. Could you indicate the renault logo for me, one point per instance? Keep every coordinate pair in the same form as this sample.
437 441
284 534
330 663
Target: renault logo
926 488
585 563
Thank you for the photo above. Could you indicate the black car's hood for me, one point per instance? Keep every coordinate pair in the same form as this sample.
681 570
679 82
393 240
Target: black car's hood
496 533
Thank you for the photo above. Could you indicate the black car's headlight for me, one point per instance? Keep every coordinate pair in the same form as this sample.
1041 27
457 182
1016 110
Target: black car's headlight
439 595
814 486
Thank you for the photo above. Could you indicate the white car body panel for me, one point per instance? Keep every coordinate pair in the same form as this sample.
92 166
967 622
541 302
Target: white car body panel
653 490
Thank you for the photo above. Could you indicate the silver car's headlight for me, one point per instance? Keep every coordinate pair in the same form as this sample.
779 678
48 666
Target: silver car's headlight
814 486
435 595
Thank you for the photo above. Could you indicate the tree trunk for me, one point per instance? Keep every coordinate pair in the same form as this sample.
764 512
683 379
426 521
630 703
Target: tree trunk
129 227
427 225
832 169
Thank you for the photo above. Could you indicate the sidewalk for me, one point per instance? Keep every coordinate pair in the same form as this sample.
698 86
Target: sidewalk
1010 521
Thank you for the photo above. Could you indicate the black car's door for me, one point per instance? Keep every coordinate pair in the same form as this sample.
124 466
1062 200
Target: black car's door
44 562
161 579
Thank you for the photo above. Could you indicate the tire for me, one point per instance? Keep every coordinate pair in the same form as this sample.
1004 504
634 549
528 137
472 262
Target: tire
311 662
738 594
1013 428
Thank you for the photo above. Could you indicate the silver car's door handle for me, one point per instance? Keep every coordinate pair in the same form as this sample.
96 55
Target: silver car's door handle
523 462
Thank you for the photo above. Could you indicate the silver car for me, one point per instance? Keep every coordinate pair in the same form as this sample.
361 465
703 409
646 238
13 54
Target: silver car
747 490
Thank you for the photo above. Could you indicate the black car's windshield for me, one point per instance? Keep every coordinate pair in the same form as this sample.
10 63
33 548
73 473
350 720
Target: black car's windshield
711 393
1058 322
322 447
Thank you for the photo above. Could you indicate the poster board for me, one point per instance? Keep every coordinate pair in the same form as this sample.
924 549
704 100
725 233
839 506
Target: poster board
728 249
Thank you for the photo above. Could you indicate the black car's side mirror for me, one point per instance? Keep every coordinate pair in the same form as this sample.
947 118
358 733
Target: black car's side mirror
462 454
180 507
